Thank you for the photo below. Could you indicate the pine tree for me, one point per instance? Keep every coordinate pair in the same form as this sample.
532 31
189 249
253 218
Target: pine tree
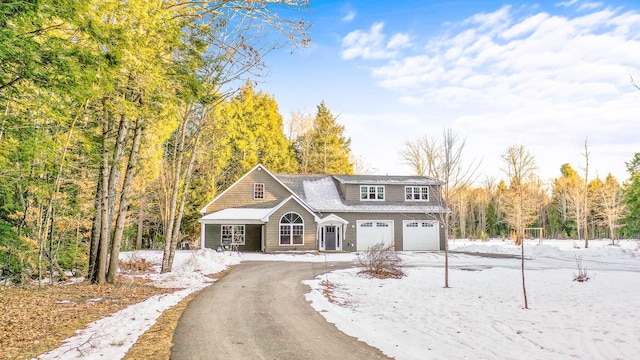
632 198
330 149
250 131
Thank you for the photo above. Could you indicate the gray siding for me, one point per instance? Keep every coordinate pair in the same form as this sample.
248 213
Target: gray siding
272 229
252 237
350 242
392 193
240 194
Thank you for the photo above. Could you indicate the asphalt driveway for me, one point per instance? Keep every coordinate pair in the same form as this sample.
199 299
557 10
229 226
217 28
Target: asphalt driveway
258 311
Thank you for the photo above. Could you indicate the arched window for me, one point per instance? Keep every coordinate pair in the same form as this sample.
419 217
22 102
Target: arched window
291 229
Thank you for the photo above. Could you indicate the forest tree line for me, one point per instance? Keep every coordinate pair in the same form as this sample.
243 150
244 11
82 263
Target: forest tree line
571 206
118 120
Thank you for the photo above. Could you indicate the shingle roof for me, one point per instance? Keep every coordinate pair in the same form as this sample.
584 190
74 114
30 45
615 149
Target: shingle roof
386 179
321 193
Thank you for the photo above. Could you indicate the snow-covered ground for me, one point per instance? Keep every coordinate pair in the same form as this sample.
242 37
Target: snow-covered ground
112 336
479 317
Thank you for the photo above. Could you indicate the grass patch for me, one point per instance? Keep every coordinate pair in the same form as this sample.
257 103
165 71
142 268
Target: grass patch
36 320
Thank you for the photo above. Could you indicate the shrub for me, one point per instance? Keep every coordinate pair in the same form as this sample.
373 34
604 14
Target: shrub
381 261
135 265
582 275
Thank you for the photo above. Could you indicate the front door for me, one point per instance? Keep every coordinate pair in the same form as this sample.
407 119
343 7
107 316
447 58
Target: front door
330 238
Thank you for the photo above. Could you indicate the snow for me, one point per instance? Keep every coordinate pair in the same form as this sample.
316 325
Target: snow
480 316
111 337
322 195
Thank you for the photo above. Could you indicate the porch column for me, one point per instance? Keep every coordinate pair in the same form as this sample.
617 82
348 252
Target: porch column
203 240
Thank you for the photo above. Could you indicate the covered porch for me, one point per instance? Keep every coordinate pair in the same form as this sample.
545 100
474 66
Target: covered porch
241 229
331 233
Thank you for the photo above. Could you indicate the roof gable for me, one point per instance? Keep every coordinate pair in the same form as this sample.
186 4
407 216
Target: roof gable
240 187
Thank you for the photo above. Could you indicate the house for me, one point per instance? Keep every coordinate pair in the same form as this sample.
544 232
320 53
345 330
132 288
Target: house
270 212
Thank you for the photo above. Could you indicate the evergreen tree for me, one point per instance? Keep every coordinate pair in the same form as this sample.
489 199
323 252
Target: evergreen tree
632 198
330 149
250 131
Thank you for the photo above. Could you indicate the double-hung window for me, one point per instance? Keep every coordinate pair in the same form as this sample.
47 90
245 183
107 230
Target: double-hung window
372 192
258 191
416 193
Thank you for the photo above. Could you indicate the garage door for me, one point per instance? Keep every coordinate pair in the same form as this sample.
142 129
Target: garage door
371 232
420 235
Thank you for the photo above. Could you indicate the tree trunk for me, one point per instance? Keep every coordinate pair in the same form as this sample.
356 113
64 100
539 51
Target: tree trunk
524 288
167 258
446 251
140 224
114 173
95 230
103 236
124 203
185 190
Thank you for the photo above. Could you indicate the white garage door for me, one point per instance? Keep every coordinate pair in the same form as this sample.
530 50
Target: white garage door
370 232
420 235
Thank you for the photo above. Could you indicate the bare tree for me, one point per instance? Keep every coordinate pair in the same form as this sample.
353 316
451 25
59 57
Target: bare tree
585 192
422 156
236 51
300 125
520 203
611 206
449 167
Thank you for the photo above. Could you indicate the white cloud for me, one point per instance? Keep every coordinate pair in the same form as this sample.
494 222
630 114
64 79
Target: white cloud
567 3
589 5
349 16
399 41
543 79
372 44
581 5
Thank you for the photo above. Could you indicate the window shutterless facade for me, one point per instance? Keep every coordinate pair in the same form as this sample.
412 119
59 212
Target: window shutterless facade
232 234
372 192
258 191
416 193
291 229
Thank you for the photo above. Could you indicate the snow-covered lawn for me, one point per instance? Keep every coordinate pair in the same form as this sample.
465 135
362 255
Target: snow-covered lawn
479 317
111 337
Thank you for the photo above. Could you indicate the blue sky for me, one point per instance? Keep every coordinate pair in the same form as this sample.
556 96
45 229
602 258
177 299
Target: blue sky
545 74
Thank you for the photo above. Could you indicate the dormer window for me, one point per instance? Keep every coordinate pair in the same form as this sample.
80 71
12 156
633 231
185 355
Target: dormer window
416 193
258 191
372 192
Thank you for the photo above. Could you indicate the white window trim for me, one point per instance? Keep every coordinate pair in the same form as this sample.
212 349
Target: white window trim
376 187
291 227
233 233
413 188
255 191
